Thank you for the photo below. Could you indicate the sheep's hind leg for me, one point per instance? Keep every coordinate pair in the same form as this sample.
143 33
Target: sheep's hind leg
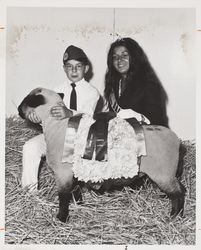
176 193
177 198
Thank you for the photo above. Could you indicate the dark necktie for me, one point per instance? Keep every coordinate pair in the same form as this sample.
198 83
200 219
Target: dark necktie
122 86
73 98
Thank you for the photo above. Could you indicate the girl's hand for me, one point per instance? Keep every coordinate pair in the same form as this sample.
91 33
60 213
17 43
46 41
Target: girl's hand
129 113
61 112
33 117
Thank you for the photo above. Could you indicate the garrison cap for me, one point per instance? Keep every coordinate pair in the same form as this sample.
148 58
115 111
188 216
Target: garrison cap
74 53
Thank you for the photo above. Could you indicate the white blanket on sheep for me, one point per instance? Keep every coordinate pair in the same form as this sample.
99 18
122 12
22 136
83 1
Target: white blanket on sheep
122 152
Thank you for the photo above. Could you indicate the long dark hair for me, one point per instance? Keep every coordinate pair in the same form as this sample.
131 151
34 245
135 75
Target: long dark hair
139 67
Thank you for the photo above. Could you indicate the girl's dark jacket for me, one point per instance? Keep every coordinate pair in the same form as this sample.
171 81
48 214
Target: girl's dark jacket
144 95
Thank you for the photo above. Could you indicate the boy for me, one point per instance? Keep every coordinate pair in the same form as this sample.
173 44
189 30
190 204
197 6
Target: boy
79 96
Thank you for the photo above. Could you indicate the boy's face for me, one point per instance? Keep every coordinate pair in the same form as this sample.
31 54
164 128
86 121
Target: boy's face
75 70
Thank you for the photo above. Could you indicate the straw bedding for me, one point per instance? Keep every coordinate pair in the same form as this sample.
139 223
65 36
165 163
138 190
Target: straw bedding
122 217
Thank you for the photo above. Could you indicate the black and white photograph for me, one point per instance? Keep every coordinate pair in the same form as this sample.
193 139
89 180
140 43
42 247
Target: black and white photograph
98 118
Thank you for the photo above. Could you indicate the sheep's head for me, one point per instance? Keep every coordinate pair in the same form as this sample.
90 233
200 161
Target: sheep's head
39 100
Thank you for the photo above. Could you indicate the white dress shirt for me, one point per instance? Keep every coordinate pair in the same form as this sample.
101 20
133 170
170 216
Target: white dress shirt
87 96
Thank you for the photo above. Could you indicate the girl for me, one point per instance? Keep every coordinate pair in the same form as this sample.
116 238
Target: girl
131 85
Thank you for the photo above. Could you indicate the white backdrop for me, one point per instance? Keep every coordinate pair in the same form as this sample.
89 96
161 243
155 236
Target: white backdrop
37 38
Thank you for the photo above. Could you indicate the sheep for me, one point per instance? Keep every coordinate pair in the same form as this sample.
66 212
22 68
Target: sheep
160 163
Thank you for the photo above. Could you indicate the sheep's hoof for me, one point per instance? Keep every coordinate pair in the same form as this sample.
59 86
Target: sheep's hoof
174 214
62 217
177 207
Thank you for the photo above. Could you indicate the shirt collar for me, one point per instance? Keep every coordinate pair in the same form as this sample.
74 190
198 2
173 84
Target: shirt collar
77 83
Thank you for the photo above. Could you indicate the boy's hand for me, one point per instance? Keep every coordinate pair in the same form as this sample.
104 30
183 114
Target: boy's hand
33 117
61 112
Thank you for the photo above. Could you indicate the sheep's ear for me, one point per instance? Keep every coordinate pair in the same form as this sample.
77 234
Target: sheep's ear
34 101
61 95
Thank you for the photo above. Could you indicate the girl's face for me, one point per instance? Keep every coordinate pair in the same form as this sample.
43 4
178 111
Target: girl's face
121 59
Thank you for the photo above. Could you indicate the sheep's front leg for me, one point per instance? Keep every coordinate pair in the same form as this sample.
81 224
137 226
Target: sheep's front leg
64 180
64 200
